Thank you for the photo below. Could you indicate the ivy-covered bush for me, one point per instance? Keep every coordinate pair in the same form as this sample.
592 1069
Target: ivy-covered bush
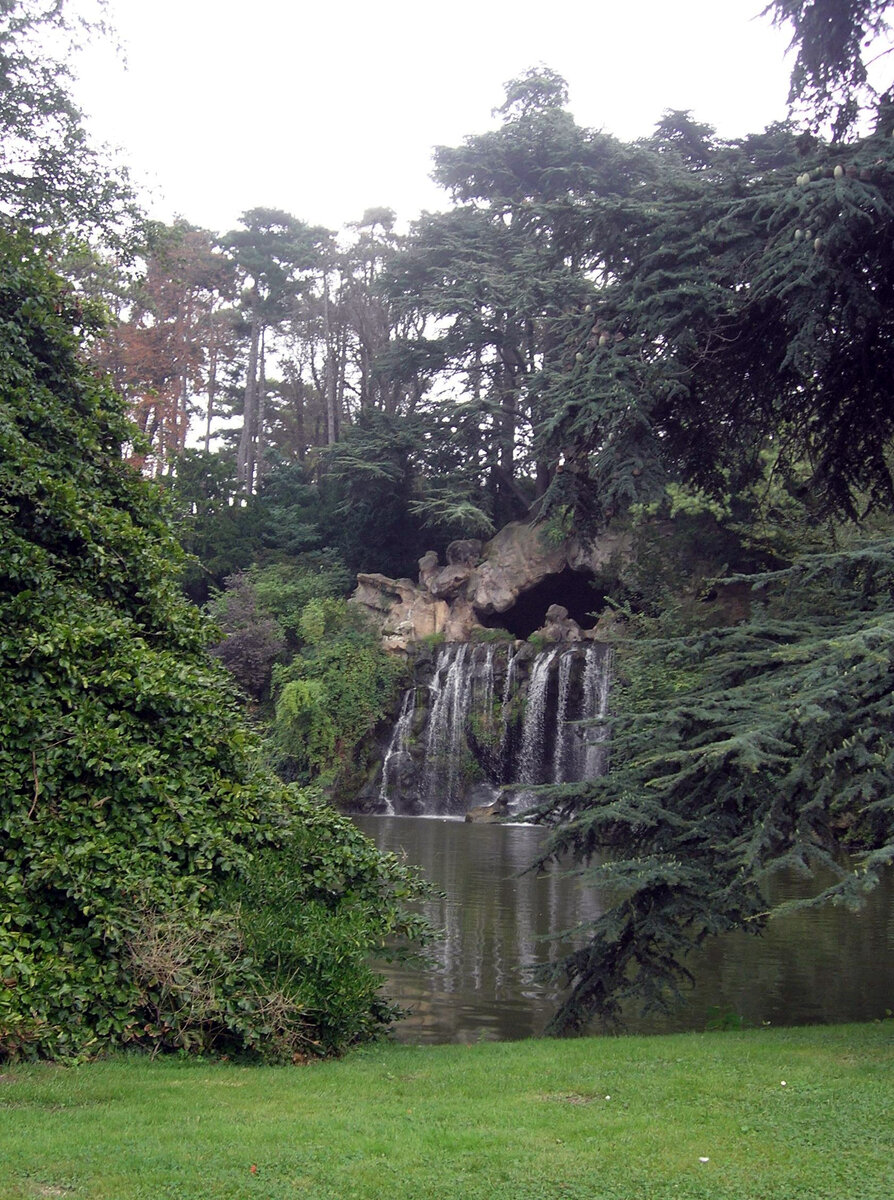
134 808
332 694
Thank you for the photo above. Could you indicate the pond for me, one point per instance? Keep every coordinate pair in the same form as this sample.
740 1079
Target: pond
821 966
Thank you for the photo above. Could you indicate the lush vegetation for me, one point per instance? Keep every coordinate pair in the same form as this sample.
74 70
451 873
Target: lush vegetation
796 1113
158 887
737 750
686 335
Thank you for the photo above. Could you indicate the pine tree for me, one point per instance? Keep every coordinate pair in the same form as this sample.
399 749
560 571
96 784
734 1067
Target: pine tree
746 304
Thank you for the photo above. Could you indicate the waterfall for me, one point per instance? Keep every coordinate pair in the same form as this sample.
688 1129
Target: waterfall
534 730
451 696
398 750
510 688
488 716
597 684
563 752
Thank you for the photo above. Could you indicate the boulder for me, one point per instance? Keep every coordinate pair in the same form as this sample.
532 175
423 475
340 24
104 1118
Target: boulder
403 612
516 559
486 804
559 626
478 581
428 568
449 581
613 548
461 620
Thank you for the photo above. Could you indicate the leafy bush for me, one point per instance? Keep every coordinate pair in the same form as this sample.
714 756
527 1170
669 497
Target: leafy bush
284 589
252 639
333 692
132 797
314 943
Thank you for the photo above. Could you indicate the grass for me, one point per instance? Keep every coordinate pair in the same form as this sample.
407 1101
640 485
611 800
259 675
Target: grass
688 1117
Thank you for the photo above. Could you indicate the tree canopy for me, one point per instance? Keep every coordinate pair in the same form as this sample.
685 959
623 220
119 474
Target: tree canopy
830 78
51 178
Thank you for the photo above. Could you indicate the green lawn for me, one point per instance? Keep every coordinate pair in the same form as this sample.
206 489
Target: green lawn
687 1116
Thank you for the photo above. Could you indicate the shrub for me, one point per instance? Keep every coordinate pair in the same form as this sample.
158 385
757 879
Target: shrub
333 693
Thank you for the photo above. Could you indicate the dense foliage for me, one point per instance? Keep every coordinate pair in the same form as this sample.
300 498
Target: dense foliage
332 694
304 655
137 821
836 44
737 751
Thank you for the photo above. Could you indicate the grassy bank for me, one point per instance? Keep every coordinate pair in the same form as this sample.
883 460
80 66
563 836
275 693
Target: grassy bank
771 1114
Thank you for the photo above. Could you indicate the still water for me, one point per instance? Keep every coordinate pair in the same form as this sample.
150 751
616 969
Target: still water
813 967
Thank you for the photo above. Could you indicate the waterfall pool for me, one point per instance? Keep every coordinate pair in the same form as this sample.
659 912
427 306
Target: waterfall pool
818 966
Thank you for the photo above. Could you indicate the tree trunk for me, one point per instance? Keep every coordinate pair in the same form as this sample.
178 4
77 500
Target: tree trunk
329 375
245 456
212 378
262 405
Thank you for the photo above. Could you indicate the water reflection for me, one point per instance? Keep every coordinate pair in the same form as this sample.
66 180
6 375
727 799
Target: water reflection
821 966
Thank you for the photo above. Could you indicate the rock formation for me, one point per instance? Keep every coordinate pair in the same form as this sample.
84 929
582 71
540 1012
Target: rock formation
478 582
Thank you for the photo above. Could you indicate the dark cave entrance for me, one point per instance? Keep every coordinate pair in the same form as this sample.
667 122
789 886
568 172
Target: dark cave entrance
574 590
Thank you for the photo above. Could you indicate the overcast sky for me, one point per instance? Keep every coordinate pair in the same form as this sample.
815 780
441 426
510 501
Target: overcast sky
328 108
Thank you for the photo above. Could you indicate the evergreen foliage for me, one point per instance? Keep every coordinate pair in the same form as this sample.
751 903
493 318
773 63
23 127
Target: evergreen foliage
744 307
371 475
830 77
398 485
736 751
134 807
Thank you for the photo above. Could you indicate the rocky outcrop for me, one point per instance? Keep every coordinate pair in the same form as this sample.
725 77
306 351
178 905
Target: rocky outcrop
403 612
559 627
517 559
478 582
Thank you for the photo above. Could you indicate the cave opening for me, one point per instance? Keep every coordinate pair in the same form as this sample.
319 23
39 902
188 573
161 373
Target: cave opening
574 590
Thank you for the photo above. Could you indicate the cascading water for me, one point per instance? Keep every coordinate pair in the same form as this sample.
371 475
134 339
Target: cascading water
397 756
566 742
450 699
493 716
597 685
538 722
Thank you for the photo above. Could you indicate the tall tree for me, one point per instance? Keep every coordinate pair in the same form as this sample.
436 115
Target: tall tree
745 304
498 272
51 178
278 256
174 333
744 319
378 376
833 40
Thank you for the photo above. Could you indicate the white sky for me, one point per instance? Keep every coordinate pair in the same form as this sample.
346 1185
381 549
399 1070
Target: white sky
325 109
